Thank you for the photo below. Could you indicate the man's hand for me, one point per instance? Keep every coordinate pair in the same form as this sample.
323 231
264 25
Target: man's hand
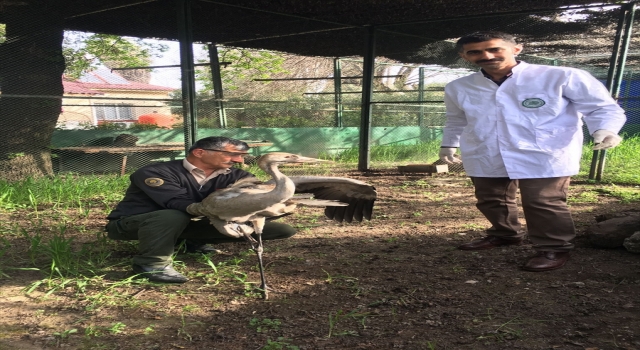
233 229
195 209
604 139
446 155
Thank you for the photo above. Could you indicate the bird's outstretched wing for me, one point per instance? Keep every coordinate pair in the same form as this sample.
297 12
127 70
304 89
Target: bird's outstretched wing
359 195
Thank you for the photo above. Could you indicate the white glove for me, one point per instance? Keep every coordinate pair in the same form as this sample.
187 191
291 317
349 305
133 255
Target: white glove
604 139
446 155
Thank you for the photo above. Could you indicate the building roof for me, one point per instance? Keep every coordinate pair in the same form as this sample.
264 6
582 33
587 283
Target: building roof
74 87
96 81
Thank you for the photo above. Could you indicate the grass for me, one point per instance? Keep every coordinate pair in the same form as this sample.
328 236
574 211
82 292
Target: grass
391 154
340 316
265 325
54 232
622 164
281 343
63 192
584 197
626 195
48 229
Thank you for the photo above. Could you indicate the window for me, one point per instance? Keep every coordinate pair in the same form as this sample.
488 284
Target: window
114 112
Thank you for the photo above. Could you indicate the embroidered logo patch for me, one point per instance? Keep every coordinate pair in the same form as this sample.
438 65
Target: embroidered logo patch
533 103
154 182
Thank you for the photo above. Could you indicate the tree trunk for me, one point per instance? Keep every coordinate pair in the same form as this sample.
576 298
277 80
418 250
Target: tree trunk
31 67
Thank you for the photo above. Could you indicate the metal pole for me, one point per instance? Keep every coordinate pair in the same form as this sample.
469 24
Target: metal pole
324 78
600 168
187 73
367 96
421 95
216 78
168 66
625 50
618 78
337 86
613 67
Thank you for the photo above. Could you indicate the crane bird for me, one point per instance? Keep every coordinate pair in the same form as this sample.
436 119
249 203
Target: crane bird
242 208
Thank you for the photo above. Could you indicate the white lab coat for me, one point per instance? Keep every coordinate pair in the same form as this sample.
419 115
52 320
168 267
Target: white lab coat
530 126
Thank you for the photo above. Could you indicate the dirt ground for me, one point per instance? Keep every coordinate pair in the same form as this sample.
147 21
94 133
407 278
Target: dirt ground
397 282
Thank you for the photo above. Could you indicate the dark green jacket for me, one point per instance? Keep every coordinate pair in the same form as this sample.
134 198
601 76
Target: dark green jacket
168 185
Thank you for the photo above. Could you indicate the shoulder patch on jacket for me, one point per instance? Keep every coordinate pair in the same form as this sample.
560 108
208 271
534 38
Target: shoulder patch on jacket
153 181
533 103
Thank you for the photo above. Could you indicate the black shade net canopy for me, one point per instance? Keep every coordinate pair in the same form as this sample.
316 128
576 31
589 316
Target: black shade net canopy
409 31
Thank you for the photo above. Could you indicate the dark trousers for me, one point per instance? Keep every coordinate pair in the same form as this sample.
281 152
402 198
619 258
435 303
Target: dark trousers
157 233
544 202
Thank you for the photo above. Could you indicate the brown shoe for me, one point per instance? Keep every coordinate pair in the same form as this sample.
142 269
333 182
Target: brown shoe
545 261
489 242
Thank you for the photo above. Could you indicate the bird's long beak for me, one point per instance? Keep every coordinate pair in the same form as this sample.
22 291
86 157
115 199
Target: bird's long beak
302 159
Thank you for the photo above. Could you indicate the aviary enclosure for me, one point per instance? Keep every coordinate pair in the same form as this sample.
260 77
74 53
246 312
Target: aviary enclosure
356 82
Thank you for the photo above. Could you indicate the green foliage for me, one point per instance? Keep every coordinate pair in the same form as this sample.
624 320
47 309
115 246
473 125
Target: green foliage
336 317
289 120
64 192
117 327
84 52
280 344
65 334
114 126
583 197
394 153
149 329
265 325
245 65
622 162
626 195
104 126
15 155
3 33
4 247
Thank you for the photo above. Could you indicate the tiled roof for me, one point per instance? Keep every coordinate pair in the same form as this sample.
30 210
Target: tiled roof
74 87
103 79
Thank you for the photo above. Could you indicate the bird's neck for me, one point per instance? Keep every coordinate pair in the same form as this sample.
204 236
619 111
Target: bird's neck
284 186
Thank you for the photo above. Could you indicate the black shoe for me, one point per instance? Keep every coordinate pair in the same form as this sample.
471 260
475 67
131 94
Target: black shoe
489 242
546 261
160 274
198 247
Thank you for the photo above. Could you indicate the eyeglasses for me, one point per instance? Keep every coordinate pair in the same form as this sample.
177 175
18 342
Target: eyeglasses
230 154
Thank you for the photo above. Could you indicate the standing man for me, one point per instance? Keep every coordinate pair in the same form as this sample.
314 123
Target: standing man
520 125
155 208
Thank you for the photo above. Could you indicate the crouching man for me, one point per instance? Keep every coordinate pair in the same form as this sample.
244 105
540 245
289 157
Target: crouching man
154 208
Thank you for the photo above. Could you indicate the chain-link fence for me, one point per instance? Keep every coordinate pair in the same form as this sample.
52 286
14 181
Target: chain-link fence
116 113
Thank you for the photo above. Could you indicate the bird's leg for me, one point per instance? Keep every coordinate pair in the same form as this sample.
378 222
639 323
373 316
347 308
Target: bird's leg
256 245
258 225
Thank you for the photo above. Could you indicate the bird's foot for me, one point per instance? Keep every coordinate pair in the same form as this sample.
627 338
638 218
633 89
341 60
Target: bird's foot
250 239
257 248
265 290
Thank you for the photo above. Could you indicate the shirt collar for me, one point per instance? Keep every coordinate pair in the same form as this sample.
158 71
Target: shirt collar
199 173
517 68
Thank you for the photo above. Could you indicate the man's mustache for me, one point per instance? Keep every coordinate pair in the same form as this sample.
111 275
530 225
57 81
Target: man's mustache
491 60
